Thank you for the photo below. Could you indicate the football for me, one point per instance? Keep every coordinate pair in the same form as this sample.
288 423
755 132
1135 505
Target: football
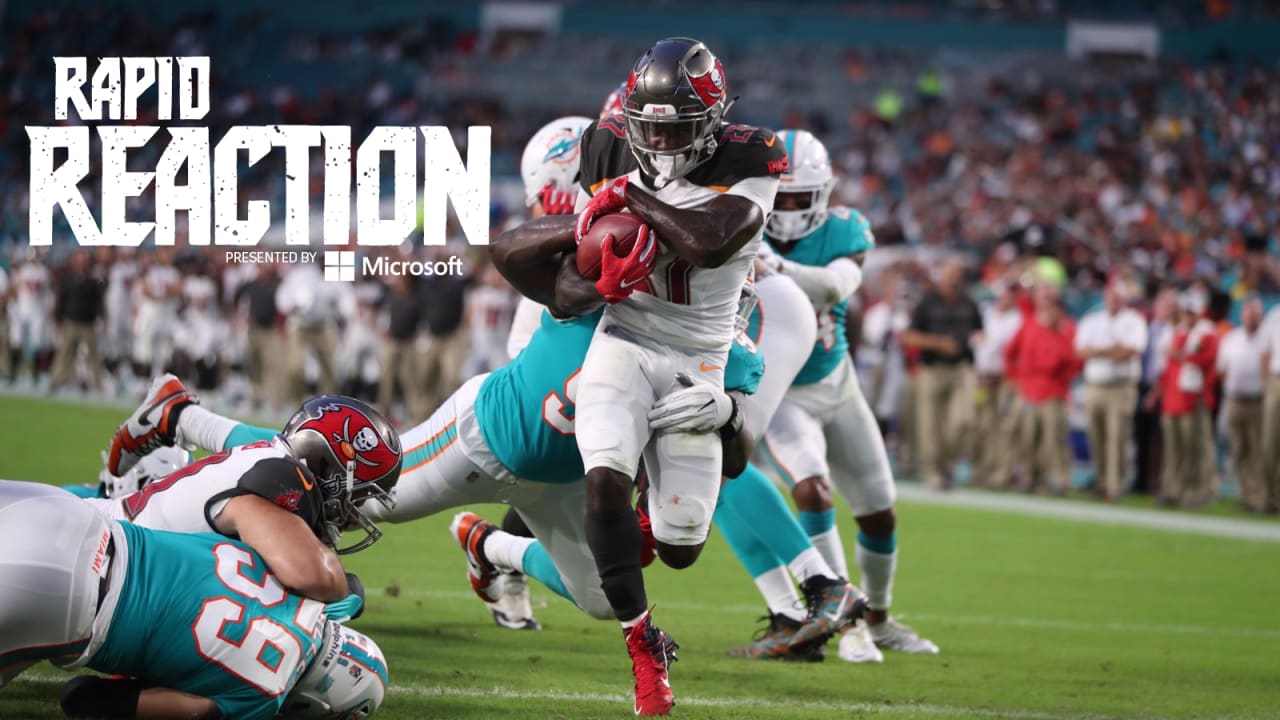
623 226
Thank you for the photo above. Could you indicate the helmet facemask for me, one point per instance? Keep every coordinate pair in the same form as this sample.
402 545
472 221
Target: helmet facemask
342 511
808 210
669 144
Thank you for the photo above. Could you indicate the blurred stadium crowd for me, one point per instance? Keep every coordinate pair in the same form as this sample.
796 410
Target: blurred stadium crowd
1150 187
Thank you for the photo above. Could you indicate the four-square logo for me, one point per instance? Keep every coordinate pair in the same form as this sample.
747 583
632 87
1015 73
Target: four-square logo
340 265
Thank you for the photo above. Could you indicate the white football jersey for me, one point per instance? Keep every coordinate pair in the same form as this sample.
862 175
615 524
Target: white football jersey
190 499
686 306
32 295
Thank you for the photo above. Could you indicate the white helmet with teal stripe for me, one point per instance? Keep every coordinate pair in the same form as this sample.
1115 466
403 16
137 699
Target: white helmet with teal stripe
552 157
811 180
347 679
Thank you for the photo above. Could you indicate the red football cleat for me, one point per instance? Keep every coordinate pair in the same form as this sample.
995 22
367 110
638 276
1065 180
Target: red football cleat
652 651
152 425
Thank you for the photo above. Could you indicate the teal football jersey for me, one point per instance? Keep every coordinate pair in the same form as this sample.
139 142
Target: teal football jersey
846 232
198 613
526 408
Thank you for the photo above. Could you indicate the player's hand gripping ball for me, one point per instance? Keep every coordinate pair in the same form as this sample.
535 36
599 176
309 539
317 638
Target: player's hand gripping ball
618 253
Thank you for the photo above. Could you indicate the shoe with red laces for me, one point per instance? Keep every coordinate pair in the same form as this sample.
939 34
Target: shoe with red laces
652 651
471 530
154 424
649 550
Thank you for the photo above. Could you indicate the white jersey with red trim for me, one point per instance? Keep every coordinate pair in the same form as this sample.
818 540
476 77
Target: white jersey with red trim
686 306
190 499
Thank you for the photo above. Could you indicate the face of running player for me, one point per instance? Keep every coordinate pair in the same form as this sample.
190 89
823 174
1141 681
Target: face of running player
668 137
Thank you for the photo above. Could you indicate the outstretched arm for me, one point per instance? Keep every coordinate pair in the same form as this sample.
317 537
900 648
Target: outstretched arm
537 258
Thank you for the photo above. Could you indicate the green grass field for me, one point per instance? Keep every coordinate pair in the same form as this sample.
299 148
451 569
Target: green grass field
1037 618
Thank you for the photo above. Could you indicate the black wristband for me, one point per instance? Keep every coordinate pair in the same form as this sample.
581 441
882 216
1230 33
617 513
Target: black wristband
90 696
733 425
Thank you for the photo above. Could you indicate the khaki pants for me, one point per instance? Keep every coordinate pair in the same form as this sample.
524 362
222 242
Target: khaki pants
399 364
442 366
1109 410
1042 435
1244 433
71 335
5 367
319 342
1270 444
944 413
262 365
908 448
1188 457
995 424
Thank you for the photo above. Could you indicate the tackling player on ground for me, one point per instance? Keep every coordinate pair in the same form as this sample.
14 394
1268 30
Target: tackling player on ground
196 622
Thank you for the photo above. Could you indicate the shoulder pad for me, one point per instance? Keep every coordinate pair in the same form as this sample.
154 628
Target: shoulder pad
605 153
287 483
742 152
853 230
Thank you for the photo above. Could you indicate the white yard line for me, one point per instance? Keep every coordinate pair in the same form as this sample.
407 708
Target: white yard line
502 693
1174 521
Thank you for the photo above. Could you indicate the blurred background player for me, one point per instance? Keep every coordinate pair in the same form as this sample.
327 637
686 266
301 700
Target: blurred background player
824 433
155 610
943 327
77 306
31 318
1111 341
158 298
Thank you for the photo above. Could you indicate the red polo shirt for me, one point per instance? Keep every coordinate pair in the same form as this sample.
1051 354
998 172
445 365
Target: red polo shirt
1041 361
1176 401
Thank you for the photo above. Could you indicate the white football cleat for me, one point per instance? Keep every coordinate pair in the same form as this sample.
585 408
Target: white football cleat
513 609
893 635
150 468
856 645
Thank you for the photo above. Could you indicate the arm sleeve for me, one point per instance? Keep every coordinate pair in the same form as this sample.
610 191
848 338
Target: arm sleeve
825 285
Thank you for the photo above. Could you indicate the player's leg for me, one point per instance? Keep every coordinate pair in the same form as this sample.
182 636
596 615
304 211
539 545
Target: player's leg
514 609
615 393
765 536
798 449
861 472
49 592
437 473
614 397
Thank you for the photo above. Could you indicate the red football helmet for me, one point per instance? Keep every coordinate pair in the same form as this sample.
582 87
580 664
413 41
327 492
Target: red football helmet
354 452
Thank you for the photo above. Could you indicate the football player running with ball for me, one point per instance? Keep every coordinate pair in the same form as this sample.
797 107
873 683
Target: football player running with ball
824 433
703 187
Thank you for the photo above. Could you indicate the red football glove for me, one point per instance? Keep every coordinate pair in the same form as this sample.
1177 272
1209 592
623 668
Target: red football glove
609 200
557 202
621 276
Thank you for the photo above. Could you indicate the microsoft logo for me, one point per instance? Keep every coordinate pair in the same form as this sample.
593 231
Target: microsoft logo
339 265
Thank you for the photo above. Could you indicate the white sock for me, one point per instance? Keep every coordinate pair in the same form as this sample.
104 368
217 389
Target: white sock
877 576
809 563
628 624
203 429
506 551
779 594
828 543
